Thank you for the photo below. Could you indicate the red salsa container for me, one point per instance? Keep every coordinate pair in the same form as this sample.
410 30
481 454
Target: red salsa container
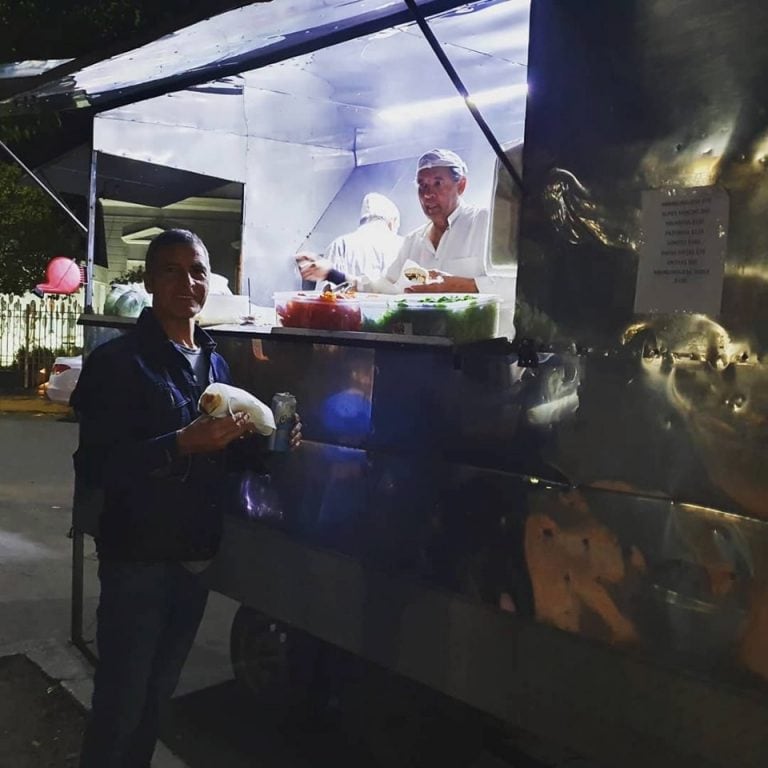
320 311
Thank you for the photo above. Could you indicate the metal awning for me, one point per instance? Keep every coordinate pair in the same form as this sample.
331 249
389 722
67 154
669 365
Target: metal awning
371 96
127 180
230 43
312 78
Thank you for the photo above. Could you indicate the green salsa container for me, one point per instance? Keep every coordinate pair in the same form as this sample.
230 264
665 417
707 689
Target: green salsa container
460 317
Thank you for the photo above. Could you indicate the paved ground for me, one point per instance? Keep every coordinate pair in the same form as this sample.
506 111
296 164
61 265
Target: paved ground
40 723
36 442
12 403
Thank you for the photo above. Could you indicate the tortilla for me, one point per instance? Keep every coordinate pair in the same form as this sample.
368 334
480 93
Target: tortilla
219 400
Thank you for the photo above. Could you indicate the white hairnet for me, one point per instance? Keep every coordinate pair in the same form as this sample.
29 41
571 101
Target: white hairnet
441 158
378 206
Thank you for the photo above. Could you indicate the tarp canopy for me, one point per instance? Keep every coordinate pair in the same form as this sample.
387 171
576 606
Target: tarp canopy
230 43
353 76
373 96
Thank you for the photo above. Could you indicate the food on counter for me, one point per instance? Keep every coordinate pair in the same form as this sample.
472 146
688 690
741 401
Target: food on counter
417 275
219 400
460 317
327 311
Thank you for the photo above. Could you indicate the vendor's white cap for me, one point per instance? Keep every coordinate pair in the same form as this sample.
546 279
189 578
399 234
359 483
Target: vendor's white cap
441 158
378 206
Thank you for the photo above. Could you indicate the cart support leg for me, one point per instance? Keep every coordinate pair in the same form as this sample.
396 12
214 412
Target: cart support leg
78 588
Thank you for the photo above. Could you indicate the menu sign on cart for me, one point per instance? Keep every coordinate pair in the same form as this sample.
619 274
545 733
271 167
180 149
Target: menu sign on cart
682 251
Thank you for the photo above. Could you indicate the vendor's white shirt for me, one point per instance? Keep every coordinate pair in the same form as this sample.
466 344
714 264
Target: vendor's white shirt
462 251
368 251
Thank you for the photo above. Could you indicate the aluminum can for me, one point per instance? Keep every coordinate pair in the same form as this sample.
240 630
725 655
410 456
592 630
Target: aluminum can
284 410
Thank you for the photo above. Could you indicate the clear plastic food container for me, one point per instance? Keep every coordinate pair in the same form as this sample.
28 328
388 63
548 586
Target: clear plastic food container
457 316
320 311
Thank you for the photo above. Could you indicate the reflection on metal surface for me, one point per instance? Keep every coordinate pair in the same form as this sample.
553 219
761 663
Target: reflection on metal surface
726 412
396 497
255 498
667 449
334 385
677 600
575 563
558 394
719 391
499 413
674 579
689 161
578 217
434 489
505 218
695 337
700 581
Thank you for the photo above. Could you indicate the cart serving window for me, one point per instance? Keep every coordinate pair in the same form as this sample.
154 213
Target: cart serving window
297 115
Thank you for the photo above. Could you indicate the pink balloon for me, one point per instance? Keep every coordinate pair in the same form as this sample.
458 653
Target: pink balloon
62 276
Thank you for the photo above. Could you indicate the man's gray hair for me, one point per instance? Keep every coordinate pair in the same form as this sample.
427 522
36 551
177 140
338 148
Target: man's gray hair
169 238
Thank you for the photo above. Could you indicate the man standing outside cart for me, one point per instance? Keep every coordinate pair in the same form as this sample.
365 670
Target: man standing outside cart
161 469
450 249
360 256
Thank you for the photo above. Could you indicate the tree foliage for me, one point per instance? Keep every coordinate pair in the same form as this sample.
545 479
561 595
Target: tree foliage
57 29
17 129
32 231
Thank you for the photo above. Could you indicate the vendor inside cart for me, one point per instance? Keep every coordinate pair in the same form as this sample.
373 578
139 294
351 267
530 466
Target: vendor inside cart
449 250
445 255
361 256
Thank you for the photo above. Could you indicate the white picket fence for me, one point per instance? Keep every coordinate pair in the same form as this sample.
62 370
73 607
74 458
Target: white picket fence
33 331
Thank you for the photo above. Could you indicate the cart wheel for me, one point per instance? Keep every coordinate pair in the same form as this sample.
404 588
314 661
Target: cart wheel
276 662
258 648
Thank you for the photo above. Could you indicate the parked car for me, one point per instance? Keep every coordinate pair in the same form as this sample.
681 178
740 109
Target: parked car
64 375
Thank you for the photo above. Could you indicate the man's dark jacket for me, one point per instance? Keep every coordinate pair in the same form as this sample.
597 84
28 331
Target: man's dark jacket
133 394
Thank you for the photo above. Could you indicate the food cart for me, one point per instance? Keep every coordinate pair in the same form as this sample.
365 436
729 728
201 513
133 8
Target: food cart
566 530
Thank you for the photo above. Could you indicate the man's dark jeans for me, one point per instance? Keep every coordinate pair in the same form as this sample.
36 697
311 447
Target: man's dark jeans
148 616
